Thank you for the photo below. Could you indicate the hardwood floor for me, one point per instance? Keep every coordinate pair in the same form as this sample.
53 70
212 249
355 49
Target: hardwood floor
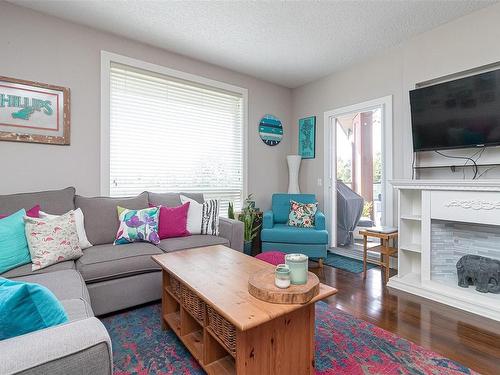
466 338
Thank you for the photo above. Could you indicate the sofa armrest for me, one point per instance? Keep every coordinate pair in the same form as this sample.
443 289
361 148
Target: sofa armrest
268 220
320 220
79 347
231 230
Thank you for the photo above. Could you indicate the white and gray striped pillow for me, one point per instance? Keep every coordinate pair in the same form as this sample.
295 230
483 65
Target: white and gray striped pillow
203 218
210 217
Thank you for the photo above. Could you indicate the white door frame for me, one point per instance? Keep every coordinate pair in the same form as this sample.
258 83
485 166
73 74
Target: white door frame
330 165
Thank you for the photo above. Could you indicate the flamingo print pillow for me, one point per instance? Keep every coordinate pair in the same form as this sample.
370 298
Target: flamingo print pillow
138 225
52 240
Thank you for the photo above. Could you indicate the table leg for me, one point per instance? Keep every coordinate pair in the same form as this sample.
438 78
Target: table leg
283 346
365 254
387 267
385 260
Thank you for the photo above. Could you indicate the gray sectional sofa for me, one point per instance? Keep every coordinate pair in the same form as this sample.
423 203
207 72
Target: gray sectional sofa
105 279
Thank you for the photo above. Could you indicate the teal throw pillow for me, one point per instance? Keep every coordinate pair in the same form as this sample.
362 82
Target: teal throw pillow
14 250
27 307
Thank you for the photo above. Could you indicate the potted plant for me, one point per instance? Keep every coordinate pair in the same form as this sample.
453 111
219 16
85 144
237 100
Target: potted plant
248 216
230 210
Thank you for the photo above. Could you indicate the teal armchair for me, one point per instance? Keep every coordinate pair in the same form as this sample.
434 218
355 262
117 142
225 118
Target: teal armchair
277 235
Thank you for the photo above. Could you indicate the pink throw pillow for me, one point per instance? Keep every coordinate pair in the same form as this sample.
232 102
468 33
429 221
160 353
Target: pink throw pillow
32 212
172 221
273 257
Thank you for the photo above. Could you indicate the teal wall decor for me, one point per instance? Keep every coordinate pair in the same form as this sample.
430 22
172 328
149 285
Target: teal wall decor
307 137
270 130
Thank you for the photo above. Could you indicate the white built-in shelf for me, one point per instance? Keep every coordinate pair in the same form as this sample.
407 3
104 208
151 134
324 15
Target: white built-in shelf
410 279
485 304
421 202
415 247
453 289
411 217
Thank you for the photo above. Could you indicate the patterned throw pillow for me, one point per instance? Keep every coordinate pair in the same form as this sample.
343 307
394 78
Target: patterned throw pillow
52 241
137 225
203 218
302 214
80 226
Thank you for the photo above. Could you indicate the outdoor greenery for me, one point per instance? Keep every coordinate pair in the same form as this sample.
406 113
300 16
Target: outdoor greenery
344 169
377 168
367 209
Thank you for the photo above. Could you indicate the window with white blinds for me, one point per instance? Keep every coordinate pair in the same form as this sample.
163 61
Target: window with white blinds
171 135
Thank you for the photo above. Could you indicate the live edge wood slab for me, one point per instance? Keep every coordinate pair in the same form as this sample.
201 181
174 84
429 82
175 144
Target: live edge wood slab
269 338
261 286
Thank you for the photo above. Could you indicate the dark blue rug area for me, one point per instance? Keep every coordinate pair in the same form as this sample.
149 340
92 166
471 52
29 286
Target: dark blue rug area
346 263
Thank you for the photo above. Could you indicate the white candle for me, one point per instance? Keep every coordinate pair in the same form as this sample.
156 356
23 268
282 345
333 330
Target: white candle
282 283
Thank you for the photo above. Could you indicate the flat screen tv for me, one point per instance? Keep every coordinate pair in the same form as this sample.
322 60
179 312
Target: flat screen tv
457 114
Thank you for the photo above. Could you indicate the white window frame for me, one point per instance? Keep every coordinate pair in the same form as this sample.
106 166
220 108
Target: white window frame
106 59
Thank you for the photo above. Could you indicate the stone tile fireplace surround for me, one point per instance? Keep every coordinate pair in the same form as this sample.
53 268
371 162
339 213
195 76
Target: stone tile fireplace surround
451 240
439 222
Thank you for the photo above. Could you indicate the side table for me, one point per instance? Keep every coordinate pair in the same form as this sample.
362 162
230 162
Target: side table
386 251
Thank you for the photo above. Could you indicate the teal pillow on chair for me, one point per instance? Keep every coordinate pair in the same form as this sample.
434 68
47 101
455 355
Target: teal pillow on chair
27 307
14 250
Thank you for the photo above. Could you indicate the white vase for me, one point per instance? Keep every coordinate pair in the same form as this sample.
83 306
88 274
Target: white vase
293 173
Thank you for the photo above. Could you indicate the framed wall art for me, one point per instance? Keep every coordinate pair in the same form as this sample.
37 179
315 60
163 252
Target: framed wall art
34 112
307 137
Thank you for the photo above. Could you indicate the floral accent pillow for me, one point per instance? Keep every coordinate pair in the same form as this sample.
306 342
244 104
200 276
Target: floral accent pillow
52 241
138 225
302 214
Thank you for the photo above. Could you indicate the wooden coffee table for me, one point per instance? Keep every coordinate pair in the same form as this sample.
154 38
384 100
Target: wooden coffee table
207 304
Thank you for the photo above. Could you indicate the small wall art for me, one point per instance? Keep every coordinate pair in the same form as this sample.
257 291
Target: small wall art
270 130
307 137
34 112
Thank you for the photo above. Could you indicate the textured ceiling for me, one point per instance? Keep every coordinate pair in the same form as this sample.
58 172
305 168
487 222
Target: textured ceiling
288 43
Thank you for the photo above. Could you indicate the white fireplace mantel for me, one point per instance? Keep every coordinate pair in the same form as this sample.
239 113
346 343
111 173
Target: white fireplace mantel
476 185
421 202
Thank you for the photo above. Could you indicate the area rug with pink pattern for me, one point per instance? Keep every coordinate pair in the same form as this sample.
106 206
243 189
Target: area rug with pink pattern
344 345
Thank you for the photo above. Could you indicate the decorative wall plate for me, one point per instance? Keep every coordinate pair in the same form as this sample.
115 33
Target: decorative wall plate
270 130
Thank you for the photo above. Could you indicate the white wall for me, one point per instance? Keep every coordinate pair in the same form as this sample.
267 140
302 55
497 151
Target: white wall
46 49
465 43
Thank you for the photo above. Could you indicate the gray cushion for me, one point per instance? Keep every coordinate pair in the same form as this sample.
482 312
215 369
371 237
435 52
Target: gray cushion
106 262
101 217
55 202
25 270
67 284
189 242
172 199
77 309
117 294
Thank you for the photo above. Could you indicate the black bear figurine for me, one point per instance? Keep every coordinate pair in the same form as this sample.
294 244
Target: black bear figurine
480 271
